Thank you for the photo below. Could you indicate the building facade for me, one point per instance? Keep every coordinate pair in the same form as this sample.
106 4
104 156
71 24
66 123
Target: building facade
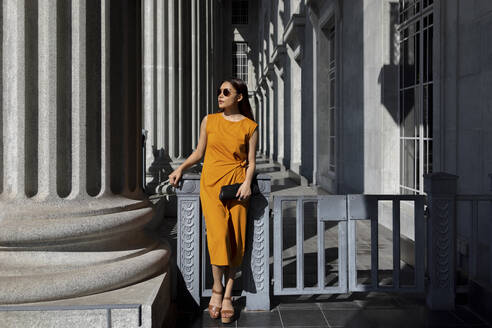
368 96
364 96
353 96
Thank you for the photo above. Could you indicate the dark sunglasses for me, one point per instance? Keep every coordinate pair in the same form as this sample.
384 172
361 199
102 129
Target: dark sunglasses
225 91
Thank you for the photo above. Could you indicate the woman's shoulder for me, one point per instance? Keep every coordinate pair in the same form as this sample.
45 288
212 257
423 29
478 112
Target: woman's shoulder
250 122
250 126
210 116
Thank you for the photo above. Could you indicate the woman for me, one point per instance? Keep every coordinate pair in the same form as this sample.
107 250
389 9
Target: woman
229 138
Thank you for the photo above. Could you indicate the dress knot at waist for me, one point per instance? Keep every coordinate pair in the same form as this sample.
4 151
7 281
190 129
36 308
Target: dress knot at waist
243 163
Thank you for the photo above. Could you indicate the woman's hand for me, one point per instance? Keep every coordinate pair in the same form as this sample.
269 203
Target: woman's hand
244 191
175 176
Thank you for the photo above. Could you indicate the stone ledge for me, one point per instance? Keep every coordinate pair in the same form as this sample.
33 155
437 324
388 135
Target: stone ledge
141 305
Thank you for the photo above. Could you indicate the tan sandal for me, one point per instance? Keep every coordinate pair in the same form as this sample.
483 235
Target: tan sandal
227 315
214 310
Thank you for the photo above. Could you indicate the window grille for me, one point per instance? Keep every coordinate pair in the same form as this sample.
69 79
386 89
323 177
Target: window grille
415 33
240 60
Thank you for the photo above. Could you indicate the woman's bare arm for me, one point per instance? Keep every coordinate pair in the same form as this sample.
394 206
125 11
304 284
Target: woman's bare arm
251 157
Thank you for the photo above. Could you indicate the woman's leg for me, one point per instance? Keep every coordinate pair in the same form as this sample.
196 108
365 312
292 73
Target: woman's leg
217 272
230 274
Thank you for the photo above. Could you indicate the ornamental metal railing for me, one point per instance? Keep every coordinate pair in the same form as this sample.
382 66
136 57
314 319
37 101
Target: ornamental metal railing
434 242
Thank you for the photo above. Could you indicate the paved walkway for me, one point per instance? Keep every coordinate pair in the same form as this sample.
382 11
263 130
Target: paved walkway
355 310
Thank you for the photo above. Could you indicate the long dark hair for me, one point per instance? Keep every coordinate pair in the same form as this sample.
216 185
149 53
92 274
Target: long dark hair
243 104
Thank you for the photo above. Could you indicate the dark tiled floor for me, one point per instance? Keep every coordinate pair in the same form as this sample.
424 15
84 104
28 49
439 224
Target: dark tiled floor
378 311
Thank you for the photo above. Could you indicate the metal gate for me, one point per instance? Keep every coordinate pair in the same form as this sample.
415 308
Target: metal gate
345 212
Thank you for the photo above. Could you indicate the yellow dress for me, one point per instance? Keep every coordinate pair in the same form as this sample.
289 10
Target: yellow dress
225 163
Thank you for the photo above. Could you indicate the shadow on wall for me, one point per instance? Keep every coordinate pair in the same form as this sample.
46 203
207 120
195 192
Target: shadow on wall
350 105
401 94
159 186
159 171
125 112
388 76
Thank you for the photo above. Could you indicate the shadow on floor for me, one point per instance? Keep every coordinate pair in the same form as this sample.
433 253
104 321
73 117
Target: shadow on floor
350 310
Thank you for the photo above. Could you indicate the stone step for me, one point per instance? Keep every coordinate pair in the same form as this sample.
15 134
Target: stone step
267 168
142 305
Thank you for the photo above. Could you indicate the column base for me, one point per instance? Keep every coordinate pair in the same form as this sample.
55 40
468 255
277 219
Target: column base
298 178
69 249
141 305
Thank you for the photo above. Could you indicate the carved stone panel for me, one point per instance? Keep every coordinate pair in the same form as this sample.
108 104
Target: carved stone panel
255 266
441 192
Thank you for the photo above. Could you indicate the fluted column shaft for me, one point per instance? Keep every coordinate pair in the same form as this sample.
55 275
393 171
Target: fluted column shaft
75 225
181 75
260 120
105 100
162 74
149 69
14 106
200 85
58 115
265 110
173 78
271 108
47 141
178 76
79 101
209 69
195 115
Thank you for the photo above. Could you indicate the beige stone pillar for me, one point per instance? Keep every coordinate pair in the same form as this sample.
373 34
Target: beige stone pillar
178 80
72 210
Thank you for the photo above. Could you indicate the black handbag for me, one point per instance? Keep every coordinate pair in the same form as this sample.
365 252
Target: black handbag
229 192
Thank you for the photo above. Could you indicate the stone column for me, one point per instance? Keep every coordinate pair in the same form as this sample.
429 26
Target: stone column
159 89
209 57
195 87
271 108
258 104
71 224
156 73
278 58
201 91
177 81
259 116
162 72
172 78
149 77
180 123
294 37
264 116
441 248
